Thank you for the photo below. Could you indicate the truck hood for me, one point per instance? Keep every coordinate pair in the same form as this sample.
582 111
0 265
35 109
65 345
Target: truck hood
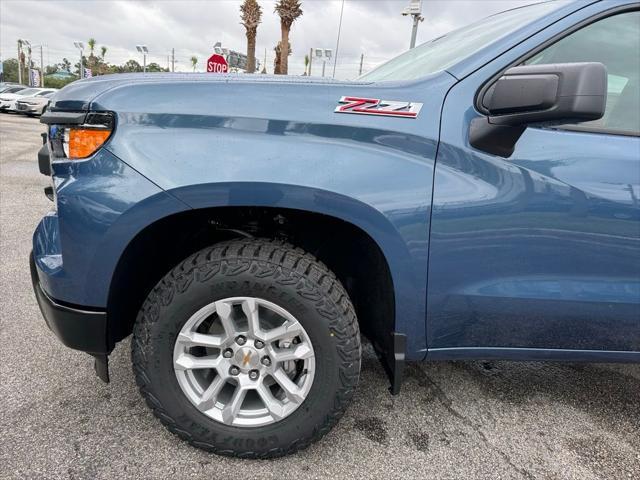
79 95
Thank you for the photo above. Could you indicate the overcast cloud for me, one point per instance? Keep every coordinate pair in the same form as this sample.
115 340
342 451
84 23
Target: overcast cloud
375 28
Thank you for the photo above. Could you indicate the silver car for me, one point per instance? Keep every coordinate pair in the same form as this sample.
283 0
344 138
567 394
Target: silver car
35 105
11 88
8 100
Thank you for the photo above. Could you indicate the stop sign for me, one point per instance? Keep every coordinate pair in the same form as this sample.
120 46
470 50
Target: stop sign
217 64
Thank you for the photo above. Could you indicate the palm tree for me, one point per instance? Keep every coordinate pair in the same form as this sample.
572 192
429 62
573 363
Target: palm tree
306 64
92 46
289 11
100 63
277 61
194 61
250 13
65 65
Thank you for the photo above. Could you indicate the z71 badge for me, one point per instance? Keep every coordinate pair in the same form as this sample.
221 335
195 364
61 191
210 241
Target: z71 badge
374 106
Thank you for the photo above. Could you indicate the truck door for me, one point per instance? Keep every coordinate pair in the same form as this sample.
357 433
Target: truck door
541 250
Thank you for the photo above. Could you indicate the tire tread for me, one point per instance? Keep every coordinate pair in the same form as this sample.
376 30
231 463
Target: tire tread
287 264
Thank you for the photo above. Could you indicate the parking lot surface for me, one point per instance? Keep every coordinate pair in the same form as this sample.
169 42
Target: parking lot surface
466 420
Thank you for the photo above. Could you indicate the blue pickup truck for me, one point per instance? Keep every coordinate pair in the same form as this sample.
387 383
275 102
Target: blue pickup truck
476 197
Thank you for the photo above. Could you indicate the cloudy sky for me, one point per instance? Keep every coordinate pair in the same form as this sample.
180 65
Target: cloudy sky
374 28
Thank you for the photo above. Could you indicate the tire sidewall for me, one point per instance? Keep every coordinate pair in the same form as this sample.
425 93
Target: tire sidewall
193 290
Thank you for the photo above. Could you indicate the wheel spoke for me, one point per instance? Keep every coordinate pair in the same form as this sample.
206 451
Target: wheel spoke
186 361
291 390
210 395
299 352
258 358
271 403
223 309
231 409
286 330
250 309
192 339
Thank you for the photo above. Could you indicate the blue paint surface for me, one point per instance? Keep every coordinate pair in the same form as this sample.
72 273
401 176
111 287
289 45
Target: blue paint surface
536 253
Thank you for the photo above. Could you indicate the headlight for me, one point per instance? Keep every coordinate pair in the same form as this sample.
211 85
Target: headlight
76 142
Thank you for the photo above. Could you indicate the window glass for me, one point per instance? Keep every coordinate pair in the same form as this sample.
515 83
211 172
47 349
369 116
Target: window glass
449 49
28 91
615 42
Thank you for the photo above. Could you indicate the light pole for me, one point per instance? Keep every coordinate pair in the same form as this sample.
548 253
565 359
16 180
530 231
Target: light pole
323 54
143 50
41 68
335 60
415 10
19 61
28 44
80 46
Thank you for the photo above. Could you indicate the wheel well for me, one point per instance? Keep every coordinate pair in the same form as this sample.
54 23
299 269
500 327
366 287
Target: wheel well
347 250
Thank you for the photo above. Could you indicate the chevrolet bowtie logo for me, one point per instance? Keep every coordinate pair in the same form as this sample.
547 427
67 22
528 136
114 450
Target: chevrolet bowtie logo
246 359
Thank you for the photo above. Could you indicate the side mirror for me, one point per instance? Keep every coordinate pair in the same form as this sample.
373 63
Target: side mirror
537 94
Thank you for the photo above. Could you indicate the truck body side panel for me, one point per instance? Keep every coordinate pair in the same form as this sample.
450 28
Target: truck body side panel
207 144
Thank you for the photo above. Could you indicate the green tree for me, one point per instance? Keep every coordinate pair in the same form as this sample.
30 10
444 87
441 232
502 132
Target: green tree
251 14
58 82
76 66
103 52
194 62
65 65
289 11
154 67
131 66
10 67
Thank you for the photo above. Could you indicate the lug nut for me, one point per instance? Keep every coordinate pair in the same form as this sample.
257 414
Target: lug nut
234 370
241 340
259 344
228 353
253 374
266 361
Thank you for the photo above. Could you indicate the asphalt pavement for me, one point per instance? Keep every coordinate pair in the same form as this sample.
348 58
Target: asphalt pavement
453 420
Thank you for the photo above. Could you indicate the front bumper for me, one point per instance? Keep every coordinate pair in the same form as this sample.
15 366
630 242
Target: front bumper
25 108
84 330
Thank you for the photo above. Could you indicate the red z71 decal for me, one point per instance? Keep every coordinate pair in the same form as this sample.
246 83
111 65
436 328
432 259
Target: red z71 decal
374 106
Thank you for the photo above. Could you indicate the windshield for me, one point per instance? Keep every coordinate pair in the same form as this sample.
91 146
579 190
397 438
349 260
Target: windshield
28 91
444 51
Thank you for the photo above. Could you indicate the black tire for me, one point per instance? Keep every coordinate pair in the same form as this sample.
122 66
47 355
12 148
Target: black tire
279 273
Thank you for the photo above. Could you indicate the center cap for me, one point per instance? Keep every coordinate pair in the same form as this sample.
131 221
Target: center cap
247 358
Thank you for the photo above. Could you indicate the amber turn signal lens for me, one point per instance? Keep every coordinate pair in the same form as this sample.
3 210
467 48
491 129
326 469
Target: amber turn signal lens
83 142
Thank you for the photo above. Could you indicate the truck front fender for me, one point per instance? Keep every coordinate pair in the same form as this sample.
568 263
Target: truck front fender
407 274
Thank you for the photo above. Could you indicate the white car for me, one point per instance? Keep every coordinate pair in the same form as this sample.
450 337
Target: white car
35 105
8 100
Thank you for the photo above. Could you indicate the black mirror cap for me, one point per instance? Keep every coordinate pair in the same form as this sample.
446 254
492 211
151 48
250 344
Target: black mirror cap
547 94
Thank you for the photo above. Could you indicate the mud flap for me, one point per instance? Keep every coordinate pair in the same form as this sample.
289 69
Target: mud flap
101 366
393 360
